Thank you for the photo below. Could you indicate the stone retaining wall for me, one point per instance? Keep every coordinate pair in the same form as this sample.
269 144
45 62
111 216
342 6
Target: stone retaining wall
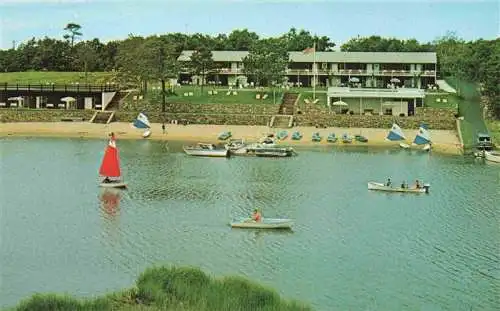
42 115
436 118
233 108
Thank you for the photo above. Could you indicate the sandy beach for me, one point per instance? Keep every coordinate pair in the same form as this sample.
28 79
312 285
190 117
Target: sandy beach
443 141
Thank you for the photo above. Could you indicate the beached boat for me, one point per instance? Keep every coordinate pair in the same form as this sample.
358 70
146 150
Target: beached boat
110 166
266 223
423 137
361 138
142 122
331 138
235 144
206 150
268 140
492 156
346 139
382 187
224 135
316 137
296 136
396 134
282 135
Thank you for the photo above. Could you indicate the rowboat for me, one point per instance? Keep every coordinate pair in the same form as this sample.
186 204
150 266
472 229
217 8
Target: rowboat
110 166
282 135
492 156
224 135
261 150
266 223
361 138
346 139
316 137
296 136
206 150
235 144
332 138
382 187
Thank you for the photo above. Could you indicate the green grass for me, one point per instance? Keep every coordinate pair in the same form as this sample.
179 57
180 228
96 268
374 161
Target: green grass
242 97
452 101
169 289
469 107
44 77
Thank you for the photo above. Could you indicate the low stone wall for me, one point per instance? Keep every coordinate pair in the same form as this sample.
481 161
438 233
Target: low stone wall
212 108
436 118
442 119
42 115
192 118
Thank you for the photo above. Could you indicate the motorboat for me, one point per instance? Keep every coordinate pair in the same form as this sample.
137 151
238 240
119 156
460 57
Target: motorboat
383 187
206 150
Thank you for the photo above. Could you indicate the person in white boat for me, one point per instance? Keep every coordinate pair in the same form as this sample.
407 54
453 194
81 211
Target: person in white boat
417 184
256 216
389 182
404 185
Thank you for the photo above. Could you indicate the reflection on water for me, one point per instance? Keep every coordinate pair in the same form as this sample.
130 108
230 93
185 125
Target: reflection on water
350 248
110 201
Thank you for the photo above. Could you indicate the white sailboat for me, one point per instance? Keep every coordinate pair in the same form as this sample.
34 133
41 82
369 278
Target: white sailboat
142 122
423 137
396 134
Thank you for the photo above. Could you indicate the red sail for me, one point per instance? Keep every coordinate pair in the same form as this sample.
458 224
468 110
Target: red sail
110 166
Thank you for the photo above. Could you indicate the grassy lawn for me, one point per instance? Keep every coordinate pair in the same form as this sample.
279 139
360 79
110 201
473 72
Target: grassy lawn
242 96
44 77
436 101
469 107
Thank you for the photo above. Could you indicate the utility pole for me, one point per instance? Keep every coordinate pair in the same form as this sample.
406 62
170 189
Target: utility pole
13 44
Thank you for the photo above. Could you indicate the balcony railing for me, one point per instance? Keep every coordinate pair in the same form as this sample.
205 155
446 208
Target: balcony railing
341 72
60 87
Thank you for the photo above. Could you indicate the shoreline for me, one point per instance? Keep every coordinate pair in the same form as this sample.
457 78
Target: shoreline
444 141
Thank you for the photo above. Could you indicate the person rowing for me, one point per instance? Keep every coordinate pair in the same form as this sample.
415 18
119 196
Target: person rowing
256 216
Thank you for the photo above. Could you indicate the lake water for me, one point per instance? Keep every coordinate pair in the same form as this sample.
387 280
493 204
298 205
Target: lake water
351 249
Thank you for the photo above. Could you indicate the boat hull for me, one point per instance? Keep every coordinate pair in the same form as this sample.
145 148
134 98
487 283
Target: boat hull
222 153
492 156
115 185
146 134
266 223
381 187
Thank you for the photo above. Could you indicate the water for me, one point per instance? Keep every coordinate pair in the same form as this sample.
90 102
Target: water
351 249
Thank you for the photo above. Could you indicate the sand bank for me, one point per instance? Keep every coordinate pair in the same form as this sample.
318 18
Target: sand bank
443 141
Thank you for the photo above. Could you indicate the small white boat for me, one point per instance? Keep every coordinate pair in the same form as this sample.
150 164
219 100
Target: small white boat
113 184
492 156
266 223
427 147
146 133
404 146
382 187
235 144
206 150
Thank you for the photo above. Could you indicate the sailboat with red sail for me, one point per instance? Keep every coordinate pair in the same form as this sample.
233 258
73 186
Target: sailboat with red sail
110 166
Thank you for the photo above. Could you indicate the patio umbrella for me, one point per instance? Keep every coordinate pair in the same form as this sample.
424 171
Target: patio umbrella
17 98
68 99
354 80
395 80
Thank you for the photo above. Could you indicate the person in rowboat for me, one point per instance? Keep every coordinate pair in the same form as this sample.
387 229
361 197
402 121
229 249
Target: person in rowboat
256 216
417 184
389 183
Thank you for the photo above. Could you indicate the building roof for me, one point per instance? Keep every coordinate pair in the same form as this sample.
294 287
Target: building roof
332 57
348 92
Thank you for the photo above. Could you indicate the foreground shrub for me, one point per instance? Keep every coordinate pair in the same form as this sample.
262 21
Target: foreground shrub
173 288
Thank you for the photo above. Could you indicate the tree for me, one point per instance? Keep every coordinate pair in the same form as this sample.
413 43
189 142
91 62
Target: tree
201 63
267 62
73 32
160 61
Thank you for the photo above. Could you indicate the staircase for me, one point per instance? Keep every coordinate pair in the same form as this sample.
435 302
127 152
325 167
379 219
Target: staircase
287 107
284 118
104 117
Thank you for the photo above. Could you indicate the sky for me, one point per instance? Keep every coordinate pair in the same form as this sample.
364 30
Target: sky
424 20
